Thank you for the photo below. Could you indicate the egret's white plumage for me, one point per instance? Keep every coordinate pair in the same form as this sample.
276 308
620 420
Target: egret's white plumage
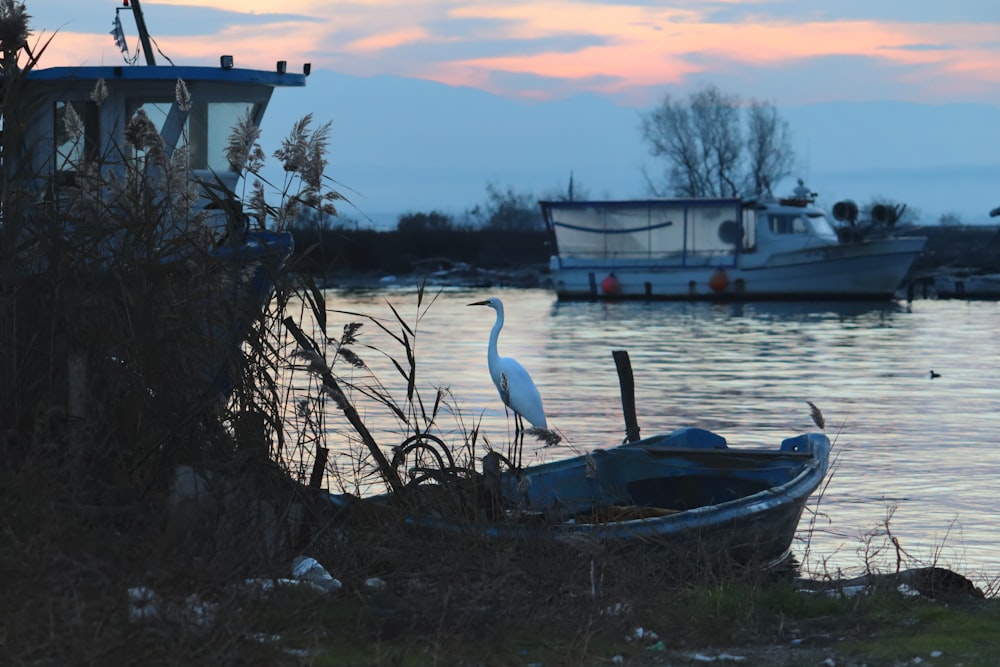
517 389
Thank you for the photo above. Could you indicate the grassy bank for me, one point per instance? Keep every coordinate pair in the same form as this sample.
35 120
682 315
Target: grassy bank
496 613
476 603
423 599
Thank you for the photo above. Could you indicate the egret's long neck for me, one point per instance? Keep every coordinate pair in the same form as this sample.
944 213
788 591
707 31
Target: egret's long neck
492 355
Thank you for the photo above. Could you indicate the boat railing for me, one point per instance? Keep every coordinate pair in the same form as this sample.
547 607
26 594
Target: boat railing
679 259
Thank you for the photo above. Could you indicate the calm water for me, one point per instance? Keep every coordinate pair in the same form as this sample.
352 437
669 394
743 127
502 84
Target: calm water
925 448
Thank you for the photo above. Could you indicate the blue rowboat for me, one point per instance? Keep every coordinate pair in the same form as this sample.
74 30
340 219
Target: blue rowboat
687 489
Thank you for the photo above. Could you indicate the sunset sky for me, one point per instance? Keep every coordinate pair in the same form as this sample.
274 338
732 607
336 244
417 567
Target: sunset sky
788 51
897 98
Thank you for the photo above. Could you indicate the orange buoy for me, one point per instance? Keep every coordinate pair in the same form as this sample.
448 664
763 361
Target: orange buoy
719 280
611 285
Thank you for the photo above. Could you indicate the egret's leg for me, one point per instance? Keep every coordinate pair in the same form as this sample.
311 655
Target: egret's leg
519 437
512 444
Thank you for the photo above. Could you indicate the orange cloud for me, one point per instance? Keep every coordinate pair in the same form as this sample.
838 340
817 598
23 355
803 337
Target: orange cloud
74 49
253 46
246 6
387 40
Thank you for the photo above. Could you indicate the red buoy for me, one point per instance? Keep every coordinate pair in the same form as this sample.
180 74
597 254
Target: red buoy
611 285
719 281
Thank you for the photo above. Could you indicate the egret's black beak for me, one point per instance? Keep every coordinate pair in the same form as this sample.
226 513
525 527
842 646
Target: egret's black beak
479 303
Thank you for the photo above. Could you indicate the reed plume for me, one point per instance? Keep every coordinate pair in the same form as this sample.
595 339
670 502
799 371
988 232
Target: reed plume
14 30
100 92
243 144
182 95
817 415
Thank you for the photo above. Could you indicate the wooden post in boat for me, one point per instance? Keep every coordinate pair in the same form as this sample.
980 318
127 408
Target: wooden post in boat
330 383
627 384
319 468
140 25
311 515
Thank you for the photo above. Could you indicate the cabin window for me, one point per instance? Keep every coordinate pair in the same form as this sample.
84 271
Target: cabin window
206 128
158 112
76 135
788 224
211 125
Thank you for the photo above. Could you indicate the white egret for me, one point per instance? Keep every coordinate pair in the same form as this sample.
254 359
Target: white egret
516 388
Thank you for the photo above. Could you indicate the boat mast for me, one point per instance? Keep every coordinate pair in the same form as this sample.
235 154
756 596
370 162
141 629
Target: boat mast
140 24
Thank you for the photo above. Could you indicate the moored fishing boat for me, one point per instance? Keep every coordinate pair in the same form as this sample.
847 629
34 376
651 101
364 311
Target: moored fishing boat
719 249
128 175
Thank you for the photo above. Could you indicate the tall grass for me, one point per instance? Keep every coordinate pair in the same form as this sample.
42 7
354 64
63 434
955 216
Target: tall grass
134 346
342 377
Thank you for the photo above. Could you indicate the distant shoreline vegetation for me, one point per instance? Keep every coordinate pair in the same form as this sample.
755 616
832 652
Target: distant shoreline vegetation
420 249
505 232
323 252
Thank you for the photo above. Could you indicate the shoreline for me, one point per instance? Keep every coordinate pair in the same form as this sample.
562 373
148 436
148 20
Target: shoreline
459 276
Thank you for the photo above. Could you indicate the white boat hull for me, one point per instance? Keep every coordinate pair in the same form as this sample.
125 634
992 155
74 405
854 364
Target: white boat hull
865 270
718 249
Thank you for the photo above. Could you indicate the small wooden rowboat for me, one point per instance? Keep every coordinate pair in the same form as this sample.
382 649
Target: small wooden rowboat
685 489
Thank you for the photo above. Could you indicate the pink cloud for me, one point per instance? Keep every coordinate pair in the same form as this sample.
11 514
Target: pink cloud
649 47
594 47
387 40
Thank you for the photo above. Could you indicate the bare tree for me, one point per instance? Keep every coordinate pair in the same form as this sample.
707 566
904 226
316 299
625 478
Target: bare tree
701 139
769 148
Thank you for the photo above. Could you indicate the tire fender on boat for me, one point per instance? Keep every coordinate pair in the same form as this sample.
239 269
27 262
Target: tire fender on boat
719 280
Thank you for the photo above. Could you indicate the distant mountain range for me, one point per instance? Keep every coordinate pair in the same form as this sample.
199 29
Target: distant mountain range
405 145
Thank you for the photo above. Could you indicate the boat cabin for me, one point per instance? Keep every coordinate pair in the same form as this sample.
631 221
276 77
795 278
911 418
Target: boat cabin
787 226
685 232
80 114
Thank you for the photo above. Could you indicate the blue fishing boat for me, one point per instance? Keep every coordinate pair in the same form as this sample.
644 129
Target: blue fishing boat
128 173
687 489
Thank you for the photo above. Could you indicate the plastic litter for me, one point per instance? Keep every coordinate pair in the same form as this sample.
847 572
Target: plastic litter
374 584
143 604
309 569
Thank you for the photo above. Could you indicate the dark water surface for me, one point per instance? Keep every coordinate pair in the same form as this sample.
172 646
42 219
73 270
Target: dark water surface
922 449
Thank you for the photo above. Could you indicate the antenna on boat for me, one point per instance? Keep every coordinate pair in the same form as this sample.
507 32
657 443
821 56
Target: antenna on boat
140 24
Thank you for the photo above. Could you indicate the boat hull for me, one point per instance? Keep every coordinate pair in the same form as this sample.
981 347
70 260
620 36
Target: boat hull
684 491
869 270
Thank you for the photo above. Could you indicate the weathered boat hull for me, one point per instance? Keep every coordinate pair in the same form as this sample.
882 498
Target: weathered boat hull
684 490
